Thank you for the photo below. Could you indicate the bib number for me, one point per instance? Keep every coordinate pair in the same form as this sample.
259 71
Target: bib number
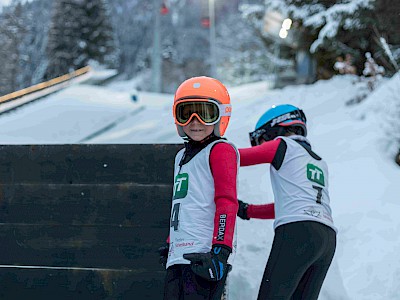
175 216
319 193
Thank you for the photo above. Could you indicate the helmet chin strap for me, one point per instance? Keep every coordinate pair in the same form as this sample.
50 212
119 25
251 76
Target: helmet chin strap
216 129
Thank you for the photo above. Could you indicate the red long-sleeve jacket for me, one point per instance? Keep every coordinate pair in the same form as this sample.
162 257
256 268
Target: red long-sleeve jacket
271 152
223 164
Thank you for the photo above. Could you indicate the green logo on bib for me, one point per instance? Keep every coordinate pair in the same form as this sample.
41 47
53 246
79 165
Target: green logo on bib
315 174
181 186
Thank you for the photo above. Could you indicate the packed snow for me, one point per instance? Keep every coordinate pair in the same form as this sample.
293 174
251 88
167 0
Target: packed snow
355 140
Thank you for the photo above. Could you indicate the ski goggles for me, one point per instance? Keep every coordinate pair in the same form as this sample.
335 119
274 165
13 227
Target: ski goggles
269 130
207 111
263 134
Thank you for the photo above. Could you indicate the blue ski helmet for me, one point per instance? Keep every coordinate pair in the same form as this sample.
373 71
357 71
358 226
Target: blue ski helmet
275 122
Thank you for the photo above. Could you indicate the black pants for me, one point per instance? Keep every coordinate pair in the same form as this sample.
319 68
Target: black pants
182 284
299 260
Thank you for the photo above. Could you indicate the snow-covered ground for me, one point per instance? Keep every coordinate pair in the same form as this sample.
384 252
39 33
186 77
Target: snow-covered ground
352 139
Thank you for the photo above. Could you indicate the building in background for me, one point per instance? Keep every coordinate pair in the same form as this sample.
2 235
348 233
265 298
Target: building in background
294 65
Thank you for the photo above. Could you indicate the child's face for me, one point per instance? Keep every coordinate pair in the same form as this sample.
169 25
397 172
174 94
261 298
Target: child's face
197 131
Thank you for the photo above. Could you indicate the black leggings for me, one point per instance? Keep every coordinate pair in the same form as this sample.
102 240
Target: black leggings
181 283
299 260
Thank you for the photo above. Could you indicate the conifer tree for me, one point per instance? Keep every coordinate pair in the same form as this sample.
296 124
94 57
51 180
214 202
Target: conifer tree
65 45
347 26
33 61
11 31
134 33
97 33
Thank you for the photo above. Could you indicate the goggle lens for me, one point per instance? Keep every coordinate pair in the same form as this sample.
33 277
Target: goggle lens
208 112
256 136
265 134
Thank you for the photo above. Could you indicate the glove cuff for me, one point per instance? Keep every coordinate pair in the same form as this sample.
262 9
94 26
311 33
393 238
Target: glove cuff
243 209
222 251
246 210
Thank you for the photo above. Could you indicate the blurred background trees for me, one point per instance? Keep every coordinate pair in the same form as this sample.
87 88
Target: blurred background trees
336 28
42 41
11 30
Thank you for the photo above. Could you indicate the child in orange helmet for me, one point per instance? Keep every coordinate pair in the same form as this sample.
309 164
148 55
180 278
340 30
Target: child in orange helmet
204 203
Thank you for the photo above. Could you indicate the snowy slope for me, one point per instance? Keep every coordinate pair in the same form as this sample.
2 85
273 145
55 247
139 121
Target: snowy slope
69 116
364 196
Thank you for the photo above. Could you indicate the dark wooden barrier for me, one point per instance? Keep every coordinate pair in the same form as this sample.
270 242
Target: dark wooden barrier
84 221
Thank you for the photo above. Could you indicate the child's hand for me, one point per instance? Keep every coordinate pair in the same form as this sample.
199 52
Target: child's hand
212 265
242 212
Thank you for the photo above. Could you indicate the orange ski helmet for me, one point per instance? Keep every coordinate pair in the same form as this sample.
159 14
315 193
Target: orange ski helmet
208 91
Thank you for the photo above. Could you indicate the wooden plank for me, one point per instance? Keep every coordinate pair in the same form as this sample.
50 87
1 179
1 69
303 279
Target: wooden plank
86 204
82 246
80 284
147 164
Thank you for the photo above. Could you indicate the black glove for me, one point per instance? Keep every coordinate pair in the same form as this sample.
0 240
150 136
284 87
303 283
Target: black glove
242 212
212 265
163 252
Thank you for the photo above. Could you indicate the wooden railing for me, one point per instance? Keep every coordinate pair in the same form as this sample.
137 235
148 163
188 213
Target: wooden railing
43 85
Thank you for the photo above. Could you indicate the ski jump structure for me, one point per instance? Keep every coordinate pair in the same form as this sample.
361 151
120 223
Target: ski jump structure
35 92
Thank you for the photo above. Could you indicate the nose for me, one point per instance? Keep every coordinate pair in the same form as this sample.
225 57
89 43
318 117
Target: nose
195 120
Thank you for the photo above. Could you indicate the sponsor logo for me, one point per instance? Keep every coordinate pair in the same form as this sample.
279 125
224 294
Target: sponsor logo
184 244
211 273
284 117
181 186
312 212
315 174
221 227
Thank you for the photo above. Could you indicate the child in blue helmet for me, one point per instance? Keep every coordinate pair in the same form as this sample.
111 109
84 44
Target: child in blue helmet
305 236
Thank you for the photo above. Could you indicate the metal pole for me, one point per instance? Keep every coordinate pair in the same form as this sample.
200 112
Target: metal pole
213 59
156 54
277 54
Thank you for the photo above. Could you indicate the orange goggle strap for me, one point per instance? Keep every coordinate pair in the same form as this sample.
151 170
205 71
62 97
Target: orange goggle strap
224 111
